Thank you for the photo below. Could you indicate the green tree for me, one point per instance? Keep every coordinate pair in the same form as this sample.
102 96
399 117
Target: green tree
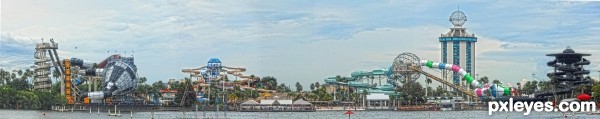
20 84
283 88
427 82
312 86
544 85
20 72
412 90
496 81
142 80
185 95
339 78
56 75
269 82
291 95
48 99
298 87
530 86
253 94
440 91
4 76
484 79
596 92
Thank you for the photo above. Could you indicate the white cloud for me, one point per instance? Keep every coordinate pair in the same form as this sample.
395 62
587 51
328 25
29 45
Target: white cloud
298 40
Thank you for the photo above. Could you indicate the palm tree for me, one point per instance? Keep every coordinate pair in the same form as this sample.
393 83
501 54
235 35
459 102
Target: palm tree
231 97
291 94
484 80
142 80
20 72
56 75
427 82
496 81
298 87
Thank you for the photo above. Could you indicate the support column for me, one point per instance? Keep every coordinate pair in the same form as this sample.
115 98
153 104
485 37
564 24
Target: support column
368 104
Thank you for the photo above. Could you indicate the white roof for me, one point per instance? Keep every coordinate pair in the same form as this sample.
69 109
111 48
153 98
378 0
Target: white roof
250 102
570 100
267 102
301 102
378 96
285 102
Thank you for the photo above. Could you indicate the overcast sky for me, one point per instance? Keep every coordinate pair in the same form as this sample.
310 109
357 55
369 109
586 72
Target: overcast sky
298 41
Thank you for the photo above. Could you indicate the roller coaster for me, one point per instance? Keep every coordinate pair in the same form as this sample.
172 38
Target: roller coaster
408 66
567 76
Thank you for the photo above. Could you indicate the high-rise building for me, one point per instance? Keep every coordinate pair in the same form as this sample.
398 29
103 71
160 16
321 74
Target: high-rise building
458 47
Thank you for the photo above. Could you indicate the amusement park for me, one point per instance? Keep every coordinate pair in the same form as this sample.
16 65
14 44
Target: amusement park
409 81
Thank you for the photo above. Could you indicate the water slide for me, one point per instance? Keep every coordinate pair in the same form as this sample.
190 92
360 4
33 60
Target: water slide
119 76
235 71
495 90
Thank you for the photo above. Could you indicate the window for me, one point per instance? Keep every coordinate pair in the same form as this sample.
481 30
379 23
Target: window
455 60
444 52
468 54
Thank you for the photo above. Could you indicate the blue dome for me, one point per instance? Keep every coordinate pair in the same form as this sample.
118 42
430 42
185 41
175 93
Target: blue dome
214 60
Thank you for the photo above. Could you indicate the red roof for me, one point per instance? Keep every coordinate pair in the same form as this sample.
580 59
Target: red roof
584 97
168 91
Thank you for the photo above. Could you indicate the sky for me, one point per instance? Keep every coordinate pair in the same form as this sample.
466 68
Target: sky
298 41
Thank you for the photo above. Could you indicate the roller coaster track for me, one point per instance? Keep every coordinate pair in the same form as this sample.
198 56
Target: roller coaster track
459 88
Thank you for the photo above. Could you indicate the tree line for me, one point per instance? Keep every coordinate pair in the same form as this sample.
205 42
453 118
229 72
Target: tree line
17 93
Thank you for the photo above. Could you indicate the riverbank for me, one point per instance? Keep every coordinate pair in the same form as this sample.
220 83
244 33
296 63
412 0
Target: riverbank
28 114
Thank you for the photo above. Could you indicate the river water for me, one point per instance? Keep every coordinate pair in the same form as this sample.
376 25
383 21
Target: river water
33 114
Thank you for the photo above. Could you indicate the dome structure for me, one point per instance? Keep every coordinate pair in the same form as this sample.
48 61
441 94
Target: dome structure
458 18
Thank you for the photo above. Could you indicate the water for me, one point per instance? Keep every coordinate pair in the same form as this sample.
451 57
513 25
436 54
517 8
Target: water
32 114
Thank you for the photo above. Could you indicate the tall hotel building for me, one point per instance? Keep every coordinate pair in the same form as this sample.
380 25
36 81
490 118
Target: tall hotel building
458 47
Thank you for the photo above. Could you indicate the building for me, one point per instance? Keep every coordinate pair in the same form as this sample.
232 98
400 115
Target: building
378 101
458 47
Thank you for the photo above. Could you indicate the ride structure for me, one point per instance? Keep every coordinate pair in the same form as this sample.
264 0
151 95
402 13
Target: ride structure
215 73
117 76
374 81
118 80
45 58
408 66
568 72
